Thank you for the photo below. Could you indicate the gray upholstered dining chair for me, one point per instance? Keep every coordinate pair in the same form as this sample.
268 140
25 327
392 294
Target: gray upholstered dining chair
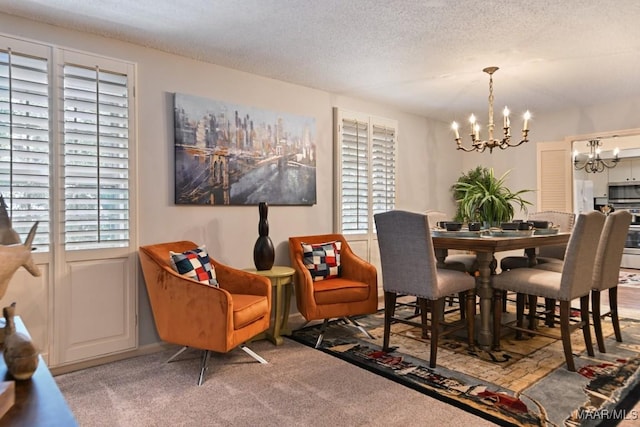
551 256
607 271
409 268
459 261
573 282
465 262
555 254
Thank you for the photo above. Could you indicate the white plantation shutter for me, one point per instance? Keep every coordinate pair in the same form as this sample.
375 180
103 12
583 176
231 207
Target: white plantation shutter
355 176
554 177
96 147
366 178
24 141
383 175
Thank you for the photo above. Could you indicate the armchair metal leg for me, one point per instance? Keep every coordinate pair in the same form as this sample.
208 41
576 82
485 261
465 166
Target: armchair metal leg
178 353
304 324
359 326
203 365
323 329
348 321
204 359
253 354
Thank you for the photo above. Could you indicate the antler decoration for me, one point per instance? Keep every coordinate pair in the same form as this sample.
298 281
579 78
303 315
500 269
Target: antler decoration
13 254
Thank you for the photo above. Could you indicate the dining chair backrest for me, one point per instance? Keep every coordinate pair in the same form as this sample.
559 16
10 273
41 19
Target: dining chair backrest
577 272
435 217
406 253
564 221
609 255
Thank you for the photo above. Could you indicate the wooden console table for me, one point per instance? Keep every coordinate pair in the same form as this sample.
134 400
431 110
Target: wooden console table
281 277
38 401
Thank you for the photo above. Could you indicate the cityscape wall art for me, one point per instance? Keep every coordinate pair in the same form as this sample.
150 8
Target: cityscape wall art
228 154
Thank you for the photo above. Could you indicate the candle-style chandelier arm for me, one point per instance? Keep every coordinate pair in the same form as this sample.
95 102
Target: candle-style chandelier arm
475 145
481 145
594 163
468 150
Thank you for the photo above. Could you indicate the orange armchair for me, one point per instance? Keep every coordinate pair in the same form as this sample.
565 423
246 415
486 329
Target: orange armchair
192 314
354 293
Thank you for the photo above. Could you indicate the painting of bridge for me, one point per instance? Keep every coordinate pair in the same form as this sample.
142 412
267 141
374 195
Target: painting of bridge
227 154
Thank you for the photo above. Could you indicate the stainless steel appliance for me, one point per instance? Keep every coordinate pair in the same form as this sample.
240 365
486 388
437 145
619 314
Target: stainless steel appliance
632 245
634 210
631 254
624 193
626 196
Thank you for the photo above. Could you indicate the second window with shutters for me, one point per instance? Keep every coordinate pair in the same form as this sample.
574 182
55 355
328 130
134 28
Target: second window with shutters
365 149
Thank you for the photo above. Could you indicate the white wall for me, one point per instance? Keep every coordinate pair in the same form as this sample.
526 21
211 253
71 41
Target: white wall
427 163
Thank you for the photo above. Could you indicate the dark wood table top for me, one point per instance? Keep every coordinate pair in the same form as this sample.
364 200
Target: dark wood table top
499 244
38 401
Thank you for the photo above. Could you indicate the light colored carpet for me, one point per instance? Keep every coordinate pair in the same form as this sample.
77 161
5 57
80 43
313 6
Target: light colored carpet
300 386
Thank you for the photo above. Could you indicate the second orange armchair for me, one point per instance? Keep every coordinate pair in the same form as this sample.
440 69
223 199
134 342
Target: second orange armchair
329 284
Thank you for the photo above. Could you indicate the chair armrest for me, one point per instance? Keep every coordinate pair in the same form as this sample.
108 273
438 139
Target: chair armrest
302 274
357 269
241 282
303 281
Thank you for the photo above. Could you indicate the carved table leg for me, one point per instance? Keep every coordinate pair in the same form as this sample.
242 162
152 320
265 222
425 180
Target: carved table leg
485 292
441 254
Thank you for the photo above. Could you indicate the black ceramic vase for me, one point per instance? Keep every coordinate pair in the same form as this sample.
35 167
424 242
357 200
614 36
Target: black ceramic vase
263 251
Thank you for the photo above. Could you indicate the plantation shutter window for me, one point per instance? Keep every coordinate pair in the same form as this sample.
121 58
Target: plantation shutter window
365 170
96 165
355 176
24 141
67 162
383 169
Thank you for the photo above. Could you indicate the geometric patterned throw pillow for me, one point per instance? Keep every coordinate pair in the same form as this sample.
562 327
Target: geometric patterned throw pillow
195 264
323 259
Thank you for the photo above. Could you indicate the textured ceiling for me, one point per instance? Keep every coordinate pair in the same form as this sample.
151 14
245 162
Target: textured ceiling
423 56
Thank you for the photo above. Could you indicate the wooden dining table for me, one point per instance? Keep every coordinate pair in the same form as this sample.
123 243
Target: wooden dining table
485 248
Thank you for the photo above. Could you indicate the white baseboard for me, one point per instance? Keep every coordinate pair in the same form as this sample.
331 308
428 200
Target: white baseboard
140 351
295 321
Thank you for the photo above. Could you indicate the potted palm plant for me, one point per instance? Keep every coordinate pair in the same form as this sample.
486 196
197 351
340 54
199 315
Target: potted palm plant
483 197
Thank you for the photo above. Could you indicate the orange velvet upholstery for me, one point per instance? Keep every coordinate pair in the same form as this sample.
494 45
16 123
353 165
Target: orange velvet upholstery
195 315
354 293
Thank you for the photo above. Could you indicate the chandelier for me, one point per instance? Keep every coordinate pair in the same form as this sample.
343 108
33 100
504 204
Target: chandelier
491 143
593 163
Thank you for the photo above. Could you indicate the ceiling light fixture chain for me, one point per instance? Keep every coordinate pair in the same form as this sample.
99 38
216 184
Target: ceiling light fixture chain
479 145
594 163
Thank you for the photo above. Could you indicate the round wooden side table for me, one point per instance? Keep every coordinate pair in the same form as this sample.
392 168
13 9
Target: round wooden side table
281 277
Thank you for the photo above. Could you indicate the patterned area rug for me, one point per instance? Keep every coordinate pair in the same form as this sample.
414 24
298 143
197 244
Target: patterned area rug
526 384
629 279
